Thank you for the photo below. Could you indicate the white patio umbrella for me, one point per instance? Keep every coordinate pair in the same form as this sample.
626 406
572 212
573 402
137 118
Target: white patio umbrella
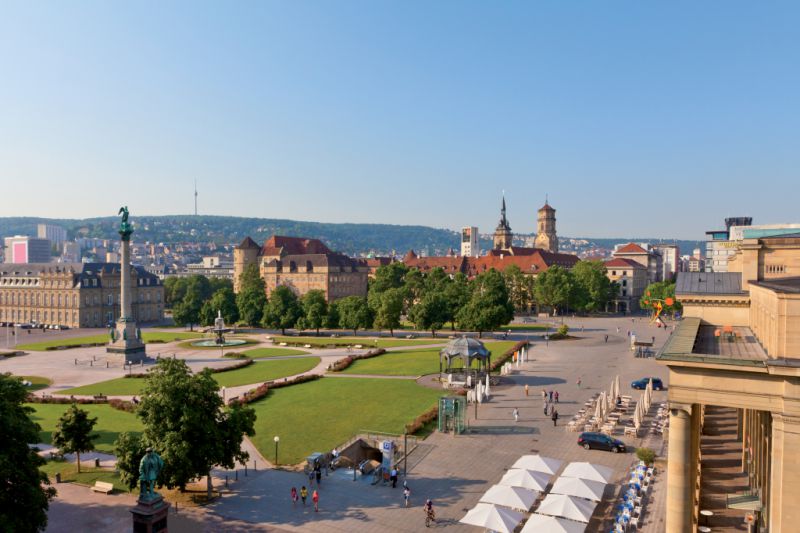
611 395
589 471
637 415
537 463
616 387
539 523
527 479
514 497
567 507
581 488
489 516
598 408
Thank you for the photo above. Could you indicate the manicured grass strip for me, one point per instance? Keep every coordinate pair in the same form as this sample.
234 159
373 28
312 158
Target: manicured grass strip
366 342
110 422
259 353
154 336
413 362
266 371
318 415
88 476
256 373
37 382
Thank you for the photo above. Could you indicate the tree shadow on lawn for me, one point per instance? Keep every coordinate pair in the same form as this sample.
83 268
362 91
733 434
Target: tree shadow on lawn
265 498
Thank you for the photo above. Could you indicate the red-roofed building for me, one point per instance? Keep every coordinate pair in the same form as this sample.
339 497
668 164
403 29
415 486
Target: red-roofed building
303 265
646 255
632 280
531 261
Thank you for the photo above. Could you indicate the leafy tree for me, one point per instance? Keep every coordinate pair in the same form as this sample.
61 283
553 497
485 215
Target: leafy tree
520 287
354 313
282 309
489 306
457 294
554 288
186 423
391 276
174 290
187 310
333 318
593 286
663 292
25 491
415 285
430 312
315 310
252 296
73 432
129 449
390 307
223 300
215 284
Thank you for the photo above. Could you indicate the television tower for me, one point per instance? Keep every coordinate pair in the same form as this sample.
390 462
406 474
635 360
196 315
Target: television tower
195 197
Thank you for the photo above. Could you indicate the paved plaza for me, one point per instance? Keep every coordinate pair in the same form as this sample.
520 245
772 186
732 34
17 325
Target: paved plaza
454 471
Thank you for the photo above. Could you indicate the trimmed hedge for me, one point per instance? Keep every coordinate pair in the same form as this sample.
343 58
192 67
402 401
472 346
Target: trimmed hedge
345 362
425 418
262 390
241 364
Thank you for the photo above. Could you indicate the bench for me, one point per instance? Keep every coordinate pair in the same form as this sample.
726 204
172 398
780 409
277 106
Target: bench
100 397
102 486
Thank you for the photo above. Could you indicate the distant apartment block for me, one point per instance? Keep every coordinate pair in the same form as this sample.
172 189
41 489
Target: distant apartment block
55 234
23 249
469 242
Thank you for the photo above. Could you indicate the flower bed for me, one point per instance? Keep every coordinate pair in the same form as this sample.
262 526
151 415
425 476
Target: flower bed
262 390
345 362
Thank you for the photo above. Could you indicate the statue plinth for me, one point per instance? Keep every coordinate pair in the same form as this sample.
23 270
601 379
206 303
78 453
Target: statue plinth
150 515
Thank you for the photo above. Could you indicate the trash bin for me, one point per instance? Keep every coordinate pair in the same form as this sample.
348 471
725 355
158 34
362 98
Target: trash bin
58 477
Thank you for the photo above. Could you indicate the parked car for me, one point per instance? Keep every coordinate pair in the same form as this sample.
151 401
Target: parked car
640 384
589 440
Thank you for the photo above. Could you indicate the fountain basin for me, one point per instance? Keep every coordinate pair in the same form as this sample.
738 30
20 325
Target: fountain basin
212 343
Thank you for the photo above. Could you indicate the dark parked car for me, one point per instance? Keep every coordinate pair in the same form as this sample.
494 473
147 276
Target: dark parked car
600 441
640 384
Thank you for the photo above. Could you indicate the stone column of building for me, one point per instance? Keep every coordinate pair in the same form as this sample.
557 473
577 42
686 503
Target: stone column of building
695 427
784 511
679 464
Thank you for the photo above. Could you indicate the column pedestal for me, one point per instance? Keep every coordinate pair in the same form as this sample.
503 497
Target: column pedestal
150 516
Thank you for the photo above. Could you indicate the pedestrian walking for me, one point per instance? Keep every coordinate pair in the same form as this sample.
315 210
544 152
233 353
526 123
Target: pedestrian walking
393 477
578 383
544 395
545 408
315 499
303 494
526 390
606 338
515 413
654 339
617 329
318 475
551 396
294 496
310 478
556 396
554 416
406 494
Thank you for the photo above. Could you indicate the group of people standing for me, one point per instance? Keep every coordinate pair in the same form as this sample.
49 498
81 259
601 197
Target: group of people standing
550 398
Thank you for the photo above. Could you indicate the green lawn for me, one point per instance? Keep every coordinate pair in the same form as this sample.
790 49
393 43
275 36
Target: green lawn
88 475
110 422
364 341
259 353
157 336
255 373
413 362
318 415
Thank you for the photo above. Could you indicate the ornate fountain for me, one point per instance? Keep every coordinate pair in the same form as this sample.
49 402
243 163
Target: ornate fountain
219 330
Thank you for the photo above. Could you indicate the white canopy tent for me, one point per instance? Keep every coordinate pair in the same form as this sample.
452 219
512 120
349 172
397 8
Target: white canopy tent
537 463
567 507
527 479
489 516
581 488
514 497
589 471
539 523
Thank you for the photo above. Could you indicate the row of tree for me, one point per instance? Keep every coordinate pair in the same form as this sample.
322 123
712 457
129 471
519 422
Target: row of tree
429 300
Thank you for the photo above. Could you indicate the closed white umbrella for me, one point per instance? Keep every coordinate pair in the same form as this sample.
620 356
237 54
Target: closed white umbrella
598 408
487 385
528 479
567 507
637 415
616 387
537 463
589 471
490 516
514 497
539 523
580 488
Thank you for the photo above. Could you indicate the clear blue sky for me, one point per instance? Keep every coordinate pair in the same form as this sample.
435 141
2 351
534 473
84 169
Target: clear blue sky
636 118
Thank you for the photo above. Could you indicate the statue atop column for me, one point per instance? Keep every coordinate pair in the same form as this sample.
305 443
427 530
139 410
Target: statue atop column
125 228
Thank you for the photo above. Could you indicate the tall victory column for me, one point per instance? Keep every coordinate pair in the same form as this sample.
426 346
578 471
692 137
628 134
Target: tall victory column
126 337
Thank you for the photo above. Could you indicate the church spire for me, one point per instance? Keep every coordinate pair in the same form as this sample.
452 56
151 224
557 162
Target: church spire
503 219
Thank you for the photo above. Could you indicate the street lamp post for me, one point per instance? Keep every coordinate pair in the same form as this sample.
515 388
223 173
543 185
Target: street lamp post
277 439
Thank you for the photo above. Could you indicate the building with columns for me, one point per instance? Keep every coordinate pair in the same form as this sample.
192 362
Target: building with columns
738 349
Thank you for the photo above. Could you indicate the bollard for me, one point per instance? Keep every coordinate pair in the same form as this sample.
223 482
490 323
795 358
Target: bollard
94 358
226 480
245 470
58 477
236 472
97 462
91 363
141 363
255 468
76 362
176 507
107 364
